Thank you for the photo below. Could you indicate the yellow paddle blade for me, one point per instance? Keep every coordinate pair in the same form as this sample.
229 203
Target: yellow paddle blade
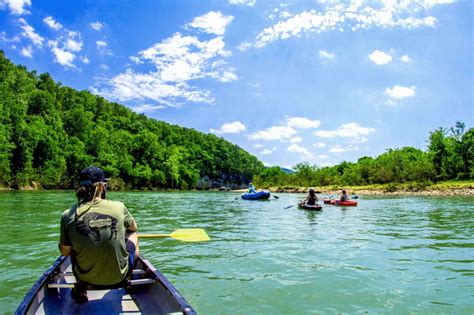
185 235
190 235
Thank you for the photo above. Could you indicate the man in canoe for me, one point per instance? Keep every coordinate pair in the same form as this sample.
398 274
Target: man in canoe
99 235
344 196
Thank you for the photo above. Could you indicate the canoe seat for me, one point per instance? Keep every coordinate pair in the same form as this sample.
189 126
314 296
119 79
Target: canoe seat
71 274
132 282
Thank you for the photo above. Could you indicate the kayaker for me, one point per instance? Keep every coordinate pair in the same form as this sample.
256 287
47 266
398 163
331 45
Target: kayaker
344 196
252 188
311 199
99 235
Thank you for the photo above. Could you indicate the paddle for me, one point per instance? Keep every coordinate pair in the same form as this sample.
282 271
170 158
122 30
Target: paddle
289 207
185 235
276 197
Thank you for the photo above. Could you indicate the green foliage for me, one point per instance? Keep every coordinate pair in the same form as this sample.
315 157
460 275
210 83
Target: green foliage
450 156
49 132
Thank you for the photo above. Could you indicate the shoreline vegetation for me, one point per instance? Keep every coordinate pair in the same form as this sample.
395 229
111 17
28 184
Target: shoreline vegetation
447 188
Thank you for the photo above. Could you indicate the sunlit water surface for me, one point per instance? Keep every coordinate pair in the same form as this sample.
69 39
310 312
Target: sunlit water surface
388 255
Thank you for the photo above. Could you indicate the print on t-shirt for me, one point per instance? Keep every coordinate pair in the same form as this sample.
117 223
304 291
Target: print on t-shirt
95 225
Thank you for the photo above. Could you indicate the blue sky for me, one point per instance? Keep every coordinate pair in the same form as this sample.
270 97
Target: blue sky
289 81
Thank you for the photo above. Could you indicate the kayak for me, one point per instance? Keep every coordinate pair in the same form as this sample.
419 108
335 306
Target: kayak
348 203
306 206
260 195
150 293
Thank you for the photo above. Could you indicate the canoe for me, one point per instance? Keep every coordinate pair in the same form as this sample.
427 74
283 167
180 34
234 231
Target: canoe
260 195
150 293
310 207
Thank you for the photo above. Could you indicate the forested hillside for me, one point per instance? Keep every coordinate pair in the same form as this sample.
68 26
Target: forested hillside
450 156
49 132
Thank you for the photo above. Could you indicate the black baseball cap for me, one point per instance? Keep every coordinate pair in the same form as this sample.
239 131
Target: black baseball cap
91 175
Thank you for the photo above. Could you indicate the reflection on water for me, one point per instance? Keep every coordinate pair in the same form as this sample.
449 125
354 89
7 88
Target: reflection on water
388 255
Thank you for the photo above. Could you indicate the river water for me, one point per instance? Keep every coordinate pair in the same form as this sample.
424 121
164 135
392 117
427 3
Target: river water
387 255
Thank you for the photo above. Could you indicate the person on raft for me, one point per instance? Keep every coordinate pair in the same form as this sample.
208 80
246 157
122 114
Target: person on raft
252 188
344 196
311 199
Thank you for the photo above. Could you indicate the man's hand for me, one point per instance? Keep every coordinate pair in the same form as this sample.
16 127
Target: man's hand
65 250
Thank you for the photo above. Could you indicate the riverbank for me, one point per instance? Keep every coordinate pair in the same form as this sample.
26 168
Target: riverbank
449 188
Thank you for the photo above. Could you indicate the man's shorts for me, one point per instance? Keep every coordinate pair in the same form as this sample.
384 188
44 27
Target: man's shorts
131 255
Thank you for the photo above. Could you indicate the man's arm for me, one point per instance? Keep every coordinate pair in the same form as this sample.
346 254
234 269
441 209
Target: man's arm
64 249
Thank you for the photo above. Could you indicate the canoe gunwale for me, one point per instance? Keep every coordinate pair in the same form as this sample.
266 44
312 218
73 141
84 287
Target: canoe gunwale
187 309
39 284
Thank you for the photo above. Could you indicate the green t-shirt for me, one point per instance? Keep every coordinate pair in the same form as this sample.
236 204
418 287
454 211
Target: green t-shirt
96 232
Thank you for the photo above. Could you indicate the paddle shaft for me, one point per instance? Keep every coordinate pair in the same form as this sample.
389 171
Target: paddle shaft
153 235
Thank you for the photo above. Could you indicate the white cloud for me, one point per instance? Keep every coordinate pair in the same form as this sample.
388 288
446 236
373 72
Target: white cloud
84 59
345 15
212 22
399 92
406 58
379 57
244 46
27 52
233 127
325 55
177 60
16 7
135 60
181 58
340 149
431 3
63 57
322 156
249 3
319 145
73 45
273 133
29 32
302 122
104 67
97 25
102 47
296 140
6 39
258 145
49 20
130 85
65 47
266 152
147 108
353 131
294 148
